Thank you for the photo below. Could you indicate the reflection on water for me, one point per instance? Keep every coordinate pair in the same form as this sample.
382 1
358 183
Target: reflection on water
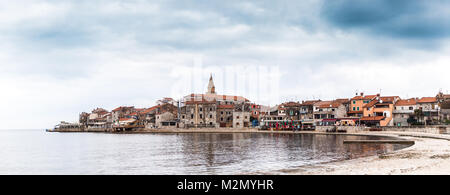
37 152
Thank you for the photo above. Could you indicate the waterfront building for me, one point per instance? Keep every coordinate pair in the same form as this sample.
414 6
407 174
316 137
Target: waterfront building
445 111
307 109
255 111
198 113
166 120
167 100
99 118
241 115
148 118
291 110
326 113
225 115
121 112
379 111
441 97
83 119
346 103
430 109
357 103
404 112
212 110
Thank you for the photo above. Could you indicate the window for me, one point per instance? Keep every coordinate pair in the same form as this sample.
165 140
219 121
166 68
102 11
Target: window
354 102
182 116
354 108
237 117
221 112
192 116
210 109
201 115
358 108
210 116
411 108
201 109
221 119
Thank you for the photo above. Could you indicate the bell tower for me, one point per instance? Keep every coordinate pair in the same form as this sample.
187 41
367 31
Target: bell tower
211 87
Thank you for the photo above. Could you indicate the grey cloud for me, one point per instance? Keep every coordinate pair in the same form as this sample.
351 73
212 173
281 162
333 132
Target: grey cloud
402 19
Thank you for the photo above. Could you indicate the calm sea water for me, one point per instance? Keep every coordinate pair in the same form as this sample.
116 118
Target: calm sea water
39 152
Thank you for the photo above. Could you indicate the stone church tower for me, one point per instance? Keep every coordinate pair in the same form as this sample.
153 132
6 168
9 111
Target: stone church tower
211 87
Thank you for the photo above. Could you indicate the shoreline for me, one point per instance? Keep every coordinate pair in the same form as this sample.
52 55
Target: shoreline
429 155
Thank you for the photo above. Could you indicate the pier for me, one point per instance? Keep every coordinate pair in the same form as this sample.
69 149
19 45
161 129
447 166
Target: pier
379 142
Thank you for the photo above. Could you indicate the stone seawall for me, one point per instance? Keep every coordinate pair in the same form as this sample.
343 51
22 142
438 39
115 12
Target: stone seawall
74 130
355 129
430 129
348 129
320 129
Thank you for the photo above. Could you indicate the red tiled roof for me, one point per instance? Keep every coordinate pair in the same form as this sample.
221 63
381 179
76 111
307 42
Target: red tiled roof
427 100
367 97
310 102
291 104
150 109
408 102
117 109
211 97
121 107
328 104
372 118
370 104
389 98
344 100
139 109
200 102
385 100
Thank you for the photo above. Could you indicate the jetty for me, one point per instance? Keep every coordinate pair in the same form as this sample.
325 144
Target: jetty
379 142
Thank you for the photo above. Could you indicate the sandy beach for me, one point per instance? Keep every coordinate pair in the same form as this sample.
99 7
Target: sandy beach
429 156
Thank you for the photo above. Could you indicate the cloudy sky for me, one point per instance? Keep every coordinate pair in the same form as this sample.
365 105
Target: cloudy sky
61 57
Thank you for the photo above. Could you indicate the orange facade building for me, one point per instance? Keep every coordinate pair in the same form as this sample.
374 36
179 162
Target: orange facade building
379 111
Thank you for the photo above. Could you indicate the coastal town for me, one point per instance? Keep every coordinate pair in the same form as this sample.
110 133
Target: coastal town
213 111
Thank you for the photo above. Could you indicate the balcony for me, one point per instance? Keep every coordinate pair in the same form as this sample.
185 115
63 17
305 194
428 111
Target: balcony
403 111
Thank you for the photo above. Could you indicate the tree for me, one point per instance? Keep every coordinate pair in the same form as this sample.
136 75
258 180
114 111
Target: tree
418 113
